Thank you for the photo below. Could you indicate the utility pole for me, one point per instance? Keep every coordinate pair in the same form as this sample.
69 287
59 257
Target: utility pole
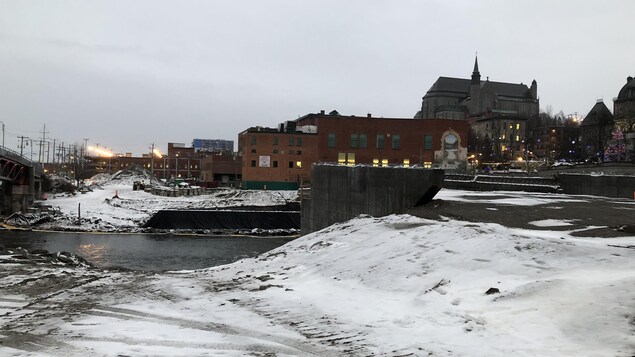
2 134
41 154
54 169
22 143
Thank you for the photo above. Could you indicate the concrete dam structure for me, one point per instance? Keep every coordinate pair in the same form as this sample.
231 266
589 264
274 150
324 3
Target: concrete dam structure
339 193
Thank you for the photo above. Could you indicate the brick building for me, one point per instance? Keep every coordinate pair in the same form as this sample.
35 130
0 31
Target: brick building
221 169
283 157
277 158
556 143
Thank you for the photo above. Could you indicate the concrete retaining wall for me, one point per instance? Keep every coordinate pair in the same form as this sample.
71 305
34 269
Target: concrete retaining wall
601 185
339 193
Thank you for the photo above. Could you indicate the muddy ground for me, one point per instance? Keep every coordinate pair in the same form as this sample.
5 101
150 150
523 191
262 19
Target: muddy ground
607 217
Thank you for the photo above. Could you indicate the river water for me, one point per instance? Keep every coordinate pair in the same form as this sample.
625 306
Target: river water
147 252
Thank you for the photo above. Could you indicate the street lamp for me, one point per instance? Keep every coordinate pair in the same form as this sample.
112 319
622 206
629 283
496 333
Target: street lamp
153 152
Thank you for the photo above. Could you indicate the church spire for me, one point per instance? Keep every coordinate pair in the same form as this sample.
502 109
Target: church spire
476 75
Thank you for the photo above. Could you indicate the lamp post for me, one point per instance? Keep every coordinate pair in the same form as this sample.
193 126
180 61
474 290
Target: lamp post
2 133
151 164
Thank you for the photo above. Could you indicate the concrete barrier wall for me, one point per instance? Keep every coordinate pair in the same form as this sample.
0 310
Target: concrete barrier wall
600 185
339 193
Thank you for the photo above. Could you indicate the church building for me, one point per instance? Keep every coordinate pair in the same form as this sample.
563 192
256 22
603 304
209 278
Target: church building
497 112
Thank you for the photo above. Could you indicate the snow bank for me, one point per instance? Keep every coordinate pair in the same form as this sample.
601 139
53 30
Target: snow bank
401 285
116 207
391 286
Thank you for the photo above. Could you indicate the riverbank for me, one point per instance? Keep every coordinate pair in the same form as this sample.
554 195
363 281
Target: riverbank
113 206
397 285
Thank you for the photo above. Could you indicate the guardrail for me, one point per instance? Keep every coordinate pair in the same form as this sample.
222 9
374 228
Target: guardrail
15 156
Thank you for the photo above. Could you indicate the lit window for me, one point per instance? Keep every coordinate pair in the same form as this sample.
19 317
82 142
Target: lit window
427 165
375 162
351 158
384 162
517 126
503 148
504 136
341 158
517 137
406 162
298 164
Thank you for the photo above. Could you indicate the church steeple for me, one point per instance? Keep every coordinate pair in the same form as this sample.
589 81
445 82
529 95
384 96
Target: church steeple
476 75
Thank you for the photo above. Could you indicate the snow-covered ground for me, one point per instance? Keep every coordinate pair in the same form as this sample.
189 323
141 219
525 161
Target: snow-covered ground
392 286
100 211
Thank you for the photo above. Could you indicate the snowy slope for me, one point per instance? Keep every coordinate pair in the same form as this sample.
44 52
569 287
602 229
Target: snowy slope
390 286
101 212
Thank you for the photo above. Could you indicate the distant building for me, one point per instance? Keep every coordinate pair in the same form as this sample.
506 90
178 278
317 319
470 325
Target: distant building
221 169
286 154
624 110
556 143
597 130
497 111
277 158
214 145
180 162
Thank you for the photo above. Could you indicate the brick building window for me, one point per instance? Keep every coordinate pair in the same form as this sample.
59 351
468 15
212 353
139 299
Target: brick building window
362 141
341 158
331 140
275 163
290 164
351 158
253 151
354 140
298 141
291 141
427 142
275 140
380 141
253 140
396 141
253 163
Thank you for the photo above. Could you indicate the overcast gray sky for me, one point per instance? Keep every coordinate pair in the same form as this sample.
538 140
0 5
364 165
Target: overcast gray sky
125 74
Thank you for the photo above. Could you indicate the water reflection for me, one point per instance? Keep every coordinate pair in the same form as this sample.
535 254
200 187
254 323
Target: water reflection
150 252
92 252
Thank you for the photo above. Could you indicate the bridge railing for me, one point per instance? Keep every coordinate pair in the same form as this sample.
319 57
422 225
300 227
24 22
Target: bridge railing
15 156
